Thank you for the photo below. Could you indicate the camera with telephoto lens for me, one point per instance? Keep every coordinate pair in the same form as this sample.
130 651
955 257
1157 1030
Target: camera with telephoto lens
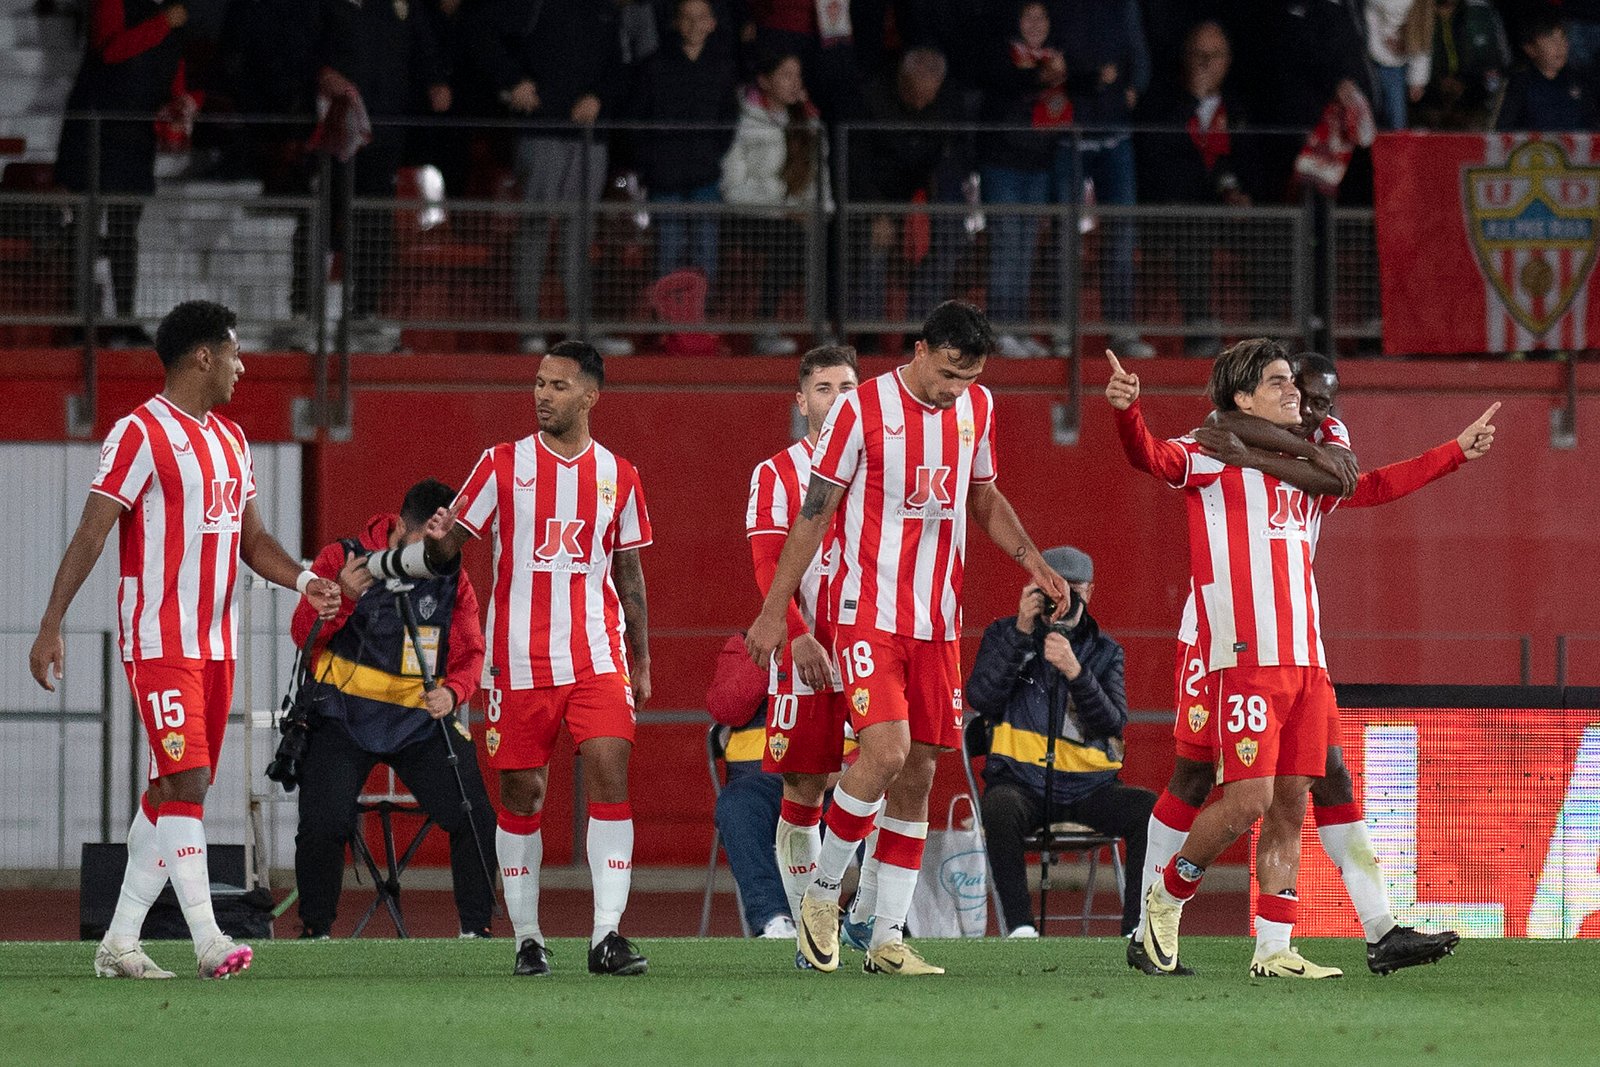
1061 626
295 725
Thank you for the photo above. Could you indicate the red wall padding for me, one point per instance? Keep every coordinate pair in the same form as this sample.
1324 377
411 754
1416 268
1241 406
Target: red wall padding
1436 588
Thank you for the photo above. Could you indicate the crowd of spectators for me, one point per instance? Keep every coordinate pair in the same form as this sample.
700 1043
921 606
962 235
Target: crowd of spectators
1118 101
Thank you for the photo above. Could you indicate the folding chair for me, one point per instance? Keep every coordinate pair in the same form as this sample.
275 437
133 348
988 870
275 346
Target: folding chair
716 747
388 798
1056 839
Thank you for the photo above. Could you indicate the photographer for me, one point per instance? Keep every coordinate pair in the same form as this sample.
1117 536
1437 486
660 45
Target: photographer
1027 672
367 706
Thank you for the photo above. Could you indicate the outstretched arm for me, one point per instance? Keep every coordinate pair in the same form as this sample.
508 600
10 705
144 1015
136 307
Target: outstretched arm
47 658
770 629
628 574
1163 459
1396 480
989 509
263 554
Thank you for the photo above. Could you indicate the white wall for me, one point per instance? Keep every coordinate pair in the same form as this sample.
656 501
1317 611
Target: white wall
50 744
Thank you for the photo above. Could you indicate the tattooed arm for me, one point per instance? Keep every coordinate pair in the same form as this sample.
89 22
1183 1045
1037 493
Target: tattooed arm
770 630
628 575
989 510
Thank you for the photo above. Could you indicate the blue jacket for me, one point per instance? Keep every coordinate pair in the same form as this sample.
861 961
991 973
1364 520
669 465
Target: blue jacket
1015 688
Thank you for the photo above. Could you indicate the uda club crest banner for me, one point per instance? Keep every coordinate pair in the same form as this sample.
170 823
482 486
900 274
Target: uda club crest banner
1486 242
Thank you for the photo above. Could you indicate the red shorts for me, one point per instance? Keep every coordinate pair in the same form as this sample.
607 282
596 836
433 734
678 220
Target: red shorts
1271 721
805 733
1191 733
522 724
891 678
183 704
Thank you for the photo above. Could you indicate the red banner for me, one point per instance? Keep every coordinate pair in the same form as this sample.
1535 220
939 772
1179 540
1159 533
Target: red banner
1486 242
1484 821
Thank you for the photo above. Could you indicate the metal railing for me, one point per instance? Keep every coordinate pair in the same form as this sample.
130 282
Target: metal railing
332 264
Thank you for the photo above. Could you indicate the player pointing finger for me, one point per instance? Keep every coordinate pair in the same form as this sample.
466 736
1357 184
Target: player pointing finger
1477 439
1123 388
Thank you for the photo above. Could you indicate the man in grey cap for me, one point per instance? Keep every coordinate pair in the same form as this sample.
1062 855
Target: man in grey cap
1029 672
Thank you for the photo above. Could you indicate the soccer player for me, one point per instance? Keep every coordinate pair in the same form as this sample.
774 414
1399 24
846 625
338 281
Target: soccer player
176 479
805 707
1251 537
1340 826
568 639
910 455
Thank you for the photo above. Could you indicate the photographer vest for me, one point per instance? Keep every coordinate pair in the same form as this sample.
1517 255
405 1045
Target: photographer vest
368 677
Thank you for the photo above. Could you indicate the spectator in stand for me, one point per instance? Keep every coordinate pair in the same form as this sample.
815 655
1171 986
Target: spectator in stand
778 160
1582 20
822 37
1108 69
1399 39
388 57
1315 55
132 69
1546 94
1470 60
559 65
1191 156
691 80
906 165
956 29
1025 88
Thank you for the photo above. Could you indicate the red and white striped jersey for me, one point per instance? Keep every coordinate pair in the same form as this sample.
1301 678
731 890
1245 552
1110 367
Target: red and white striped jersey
1331 432
906 468
554 614
184 482
1252 541
777 489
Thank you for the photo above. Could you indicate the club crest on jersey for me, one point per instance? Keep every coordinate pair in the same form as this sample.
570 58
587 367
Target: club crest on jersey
778 745
1198 714
426 606
861 700
1532 223
491 740
965 430
1248 748
173 745
607 490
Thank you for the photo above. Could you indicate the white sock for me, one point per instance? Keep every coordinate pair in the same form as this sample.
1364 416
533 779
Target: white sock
1271 937
796 848
835 854
611 869
866 902
182 840
142 882
520 856
896 886
1348 846
1162 843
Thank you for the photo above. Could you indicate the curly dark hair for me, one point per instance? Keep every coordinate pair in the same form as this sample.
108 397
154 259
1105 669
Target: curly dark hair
191 325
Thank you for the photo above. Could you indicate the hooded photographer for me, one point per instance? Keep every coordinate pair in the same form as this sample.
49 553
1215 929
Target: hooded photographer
368 705
1027 672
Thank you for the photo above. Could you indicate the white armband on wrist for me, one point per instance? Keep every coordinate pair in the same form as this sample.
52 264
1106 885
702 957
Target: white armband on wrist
306 578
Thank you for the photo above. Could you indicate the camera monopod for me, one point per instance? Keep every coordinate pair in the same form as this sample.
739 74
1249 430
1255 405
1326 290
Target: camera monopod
1052 731
402 600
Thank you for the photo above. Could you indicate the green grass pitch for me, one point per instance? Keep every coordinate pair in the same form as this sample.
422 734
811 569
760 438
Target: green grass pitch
1057 1000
